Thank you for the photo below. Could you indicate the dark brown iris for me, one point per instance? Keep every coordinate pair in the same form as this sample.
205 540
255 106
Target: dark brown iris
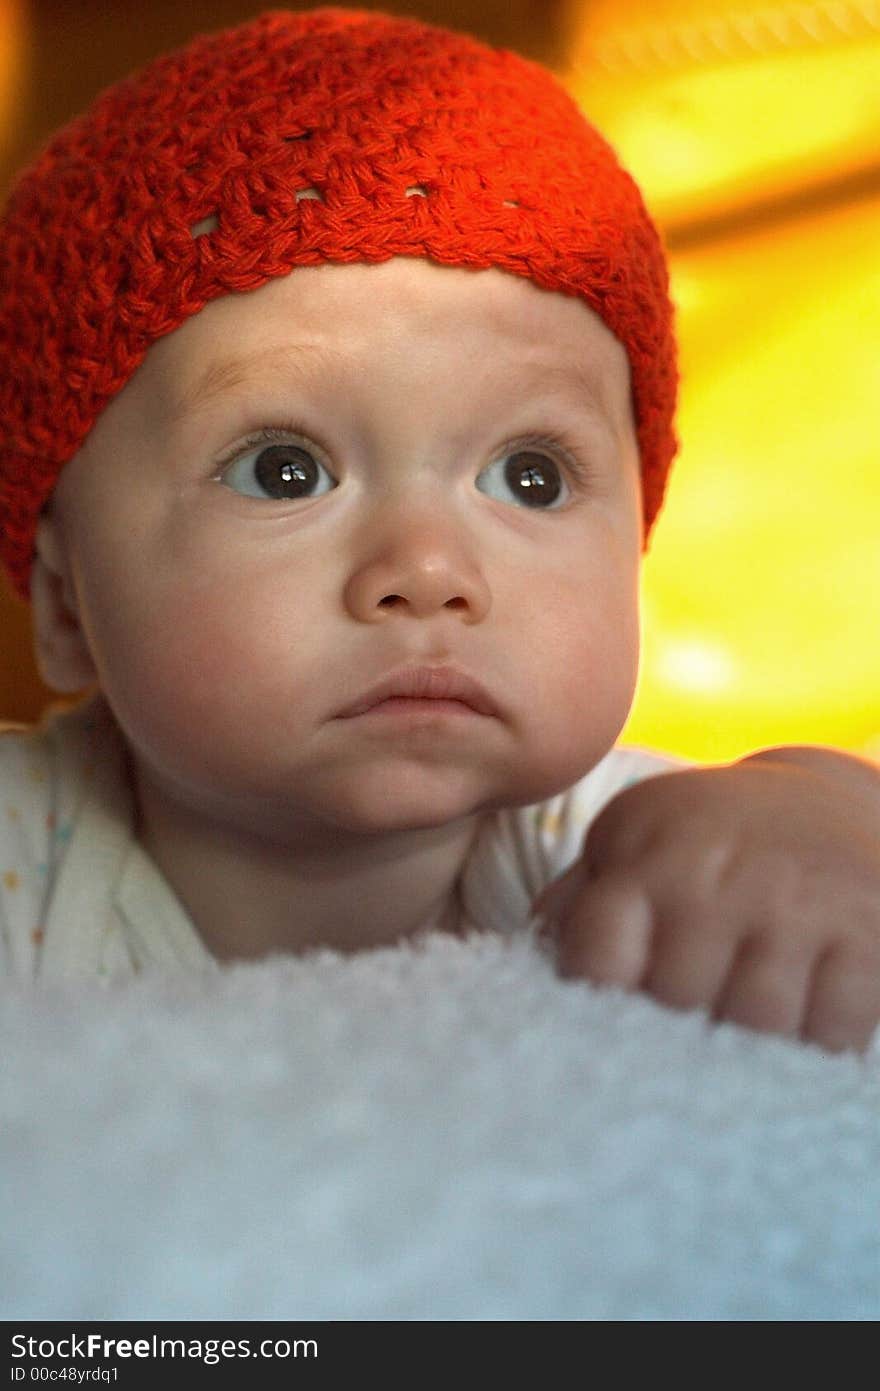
285 471
533 478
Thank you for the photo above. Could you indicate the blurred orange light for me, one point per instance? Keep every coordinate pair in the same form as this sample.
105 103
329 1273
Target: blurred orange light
12 56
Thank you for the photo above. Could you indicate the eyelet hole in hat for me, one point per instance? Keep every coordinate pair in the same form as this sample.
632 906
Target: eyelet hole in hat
308 193
416 190
207 224
509 204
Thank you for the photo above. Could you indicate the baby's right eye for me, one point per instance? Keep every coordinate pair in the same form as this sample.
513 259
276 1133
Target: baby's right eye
278 472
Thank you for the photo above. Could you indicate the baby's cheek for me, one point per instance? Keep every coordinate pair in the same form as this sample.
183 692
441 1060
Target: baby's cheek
580 686
192 675
592 628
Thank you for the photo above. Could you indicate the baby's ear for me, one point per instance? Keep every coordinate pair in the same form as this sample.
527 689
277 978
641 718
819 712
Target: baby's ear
60 647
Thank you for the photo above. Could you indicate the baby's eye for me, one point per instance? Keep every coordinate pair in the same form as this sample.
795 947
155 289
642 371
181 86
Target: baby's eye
282 472
529 476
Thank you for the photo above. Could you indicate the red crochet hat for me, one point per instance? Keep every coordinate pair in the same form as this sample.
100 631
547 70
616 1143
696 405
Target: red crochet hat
295 139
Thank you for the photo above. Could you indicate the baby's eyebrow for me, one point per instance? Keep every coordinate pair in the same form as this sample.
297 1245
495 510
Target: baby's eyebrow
576 378
304 359
226 373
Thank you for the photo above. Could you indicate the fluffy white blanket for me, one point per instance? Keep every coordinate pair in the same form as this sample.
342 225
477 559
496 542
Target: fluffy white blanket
438 1131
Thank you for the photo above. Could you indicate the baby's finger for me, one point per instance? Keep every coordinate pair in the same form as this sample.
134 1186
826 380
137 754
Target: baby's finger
767 986
843 1010
605 934
689 966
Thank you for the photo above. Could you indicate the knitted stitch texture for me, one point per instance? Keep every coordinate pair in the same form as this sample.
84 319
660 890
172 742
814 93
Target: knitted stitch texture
330 135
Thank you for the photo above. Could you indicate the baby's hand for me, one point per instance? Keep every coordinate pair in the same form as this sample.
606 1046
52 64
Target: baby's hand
752 891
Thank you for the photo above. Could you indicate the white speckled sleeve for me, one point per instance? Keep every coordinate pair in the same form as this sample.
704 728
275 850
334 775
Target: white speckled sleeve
26 824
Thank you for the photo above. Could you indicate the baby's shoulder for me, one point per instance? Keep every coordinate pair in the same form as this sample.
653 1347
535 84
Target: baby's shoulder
27 797
26 783
43 778
41 771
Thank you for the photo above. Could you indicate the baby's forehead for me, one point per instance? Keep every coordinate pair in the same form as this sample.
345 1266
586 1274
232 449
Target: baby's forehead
489 325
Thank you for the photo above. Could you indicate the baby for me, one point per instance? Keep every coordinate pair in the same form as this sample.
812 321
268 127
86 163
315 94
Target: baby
337 389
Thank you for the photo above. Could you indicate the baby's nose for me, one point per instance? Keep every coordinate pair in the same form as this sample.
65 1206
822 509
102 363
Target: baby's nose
418 571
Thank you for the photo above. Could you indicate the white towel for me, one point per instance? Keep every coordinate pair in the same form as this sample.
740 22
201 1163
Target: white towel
443 1130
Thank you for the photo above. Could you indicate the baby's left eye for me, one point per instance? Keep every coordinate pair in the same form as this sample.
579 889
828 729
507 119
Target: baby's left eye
283 472
532 478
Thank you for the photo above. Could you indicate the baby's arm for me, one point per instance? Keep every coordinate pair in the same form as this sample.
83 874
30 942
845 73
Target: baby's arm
751 890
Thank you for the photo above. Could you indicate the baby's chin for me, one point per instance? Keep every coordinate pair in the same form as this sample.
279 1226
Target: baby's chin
432 800
395 805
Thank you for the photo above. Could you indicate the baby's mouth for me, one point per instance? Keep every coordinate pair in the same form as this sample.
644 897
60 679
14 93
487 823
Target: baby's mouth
424 687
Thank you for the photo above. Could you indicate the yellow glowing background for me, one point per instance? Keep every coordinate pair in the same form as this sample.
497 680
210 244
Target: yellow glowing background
754 132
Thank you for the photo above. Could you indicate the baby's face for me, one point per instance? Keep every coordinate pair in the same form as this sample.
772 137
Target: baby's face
237 593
